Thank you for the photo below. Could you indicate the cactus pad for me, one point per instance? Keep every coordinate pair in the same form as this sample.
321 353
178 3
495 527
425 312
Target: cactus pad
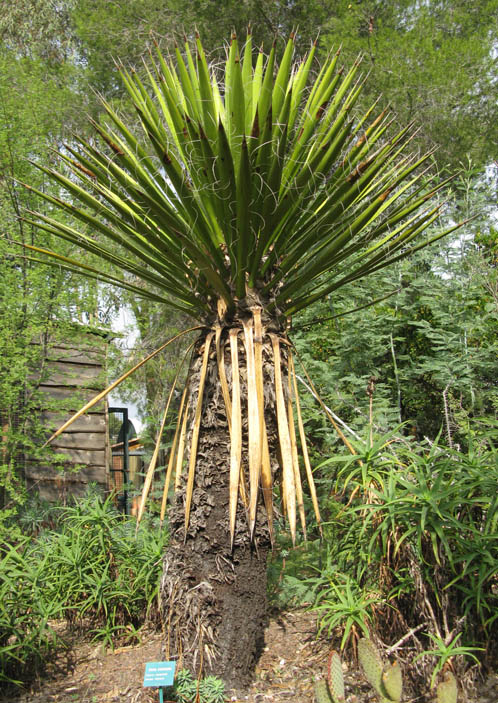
393 683
336 678
447 690
371 663
322 694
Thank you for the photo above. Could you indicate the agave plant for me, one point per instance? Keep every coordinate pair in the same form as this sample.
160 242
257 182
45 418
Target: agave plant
250 192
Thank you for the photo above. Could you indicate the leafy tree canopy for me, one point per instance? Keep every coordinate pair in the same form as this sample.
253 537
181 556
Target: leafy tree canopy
434 61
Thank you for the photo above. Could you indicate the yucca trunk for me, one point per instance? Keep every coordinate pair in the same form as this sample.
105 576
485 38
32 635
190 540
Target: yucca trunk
214 595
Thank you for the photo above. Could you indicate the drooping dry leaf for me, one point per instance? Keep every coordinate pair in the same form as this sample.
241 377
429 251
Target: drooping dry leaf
288 485
266 475
195 431
254 425
220 357
152 466
295 458
304 446
236 435
181 448
172 457
267 483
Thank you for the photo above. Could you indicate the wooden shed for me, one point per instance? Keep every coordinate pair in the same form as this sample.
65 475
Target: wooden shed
74 372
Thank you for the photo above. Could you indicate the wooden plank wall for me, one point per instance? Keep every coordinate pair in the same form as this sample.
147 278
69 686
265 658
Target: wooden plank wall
73 374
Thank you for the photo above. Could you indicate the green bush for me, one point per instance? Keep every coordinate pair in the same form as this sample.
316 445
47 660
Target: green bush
410 537
26 636
95 570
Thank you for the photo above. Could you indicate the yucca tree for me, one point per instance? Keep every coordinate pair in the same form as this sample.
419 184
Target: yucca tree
250 192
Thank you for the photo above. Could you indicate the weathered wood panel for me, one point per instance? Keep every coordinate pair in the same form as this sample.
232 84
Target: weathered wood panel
86 423
74 398
60 492
59 373
63 487
85 457
73 373
82 339
91 355
42 472
86 441
84 354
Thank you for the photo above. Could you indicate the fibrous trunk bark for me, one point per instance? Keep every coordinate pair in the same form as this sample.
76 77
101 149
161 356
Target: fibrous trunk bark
214 595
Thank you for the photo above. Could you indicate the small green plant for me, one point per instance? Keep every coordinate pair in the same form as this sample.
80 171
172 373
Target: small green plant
212 690
443 652
343 603
386 679
186 689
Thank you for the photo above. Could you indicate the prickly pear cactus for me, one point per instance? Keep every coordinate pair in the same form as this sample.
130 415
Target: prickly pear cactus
332 690
336 678
447 691
393 682
322 694
371 664
387 679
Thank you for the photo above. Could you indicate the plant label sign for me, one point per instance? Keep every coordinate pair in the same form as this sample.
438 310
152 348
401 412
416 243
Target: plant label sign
159 673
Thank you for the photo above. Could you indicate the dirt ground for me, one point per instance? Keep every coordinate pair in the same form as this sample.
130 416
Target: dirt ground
292 658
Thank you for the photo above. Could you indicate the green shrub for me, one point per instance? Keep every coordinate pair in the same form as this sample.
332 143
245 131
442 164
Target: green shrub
105 571
96 570
410 537
26 636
